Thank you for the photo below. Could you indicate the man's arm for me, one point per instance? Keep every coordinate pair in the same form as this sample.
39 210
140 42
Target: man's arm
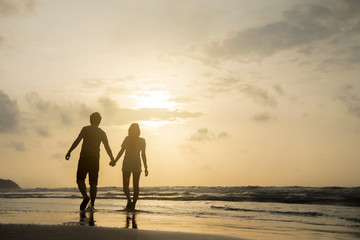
107 148
74 145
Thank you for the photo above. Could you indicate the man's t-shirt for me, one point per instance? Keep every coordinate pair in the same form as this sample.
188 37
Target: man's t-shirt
92 137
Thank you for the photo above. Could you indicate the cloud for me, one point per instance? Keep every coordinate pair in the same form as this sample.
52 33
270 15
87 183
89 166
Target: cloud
57 155
10 8
15 7
354 55
342 59
203 134
222 135
301 26
18 146
112 113
259 95
279 89
227 81
181 99
119 115
93 83
351 97
36 102
2 40
262 117
66 114
223 84
9 114
235 85
116 85
42 131
188 148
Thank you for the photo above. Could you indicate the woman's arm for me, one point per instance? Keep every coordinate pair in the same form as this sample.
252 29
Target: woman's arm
119 154
143 157
113 162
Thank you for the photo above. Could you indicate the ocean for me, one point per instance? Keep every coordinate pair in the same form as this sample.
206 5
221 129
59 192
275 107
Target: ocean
252 212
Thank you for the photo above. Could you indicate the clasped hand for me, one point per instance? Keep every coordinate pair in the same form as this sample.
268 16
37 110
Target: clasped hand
112 163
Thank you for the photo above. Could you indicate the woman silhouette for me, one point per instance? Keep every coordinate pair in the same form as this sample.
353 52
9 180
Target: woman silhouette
133 146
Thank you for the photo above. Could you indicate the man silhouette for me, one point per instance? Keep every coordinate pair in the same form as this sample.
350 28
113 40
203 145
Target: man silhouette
92 136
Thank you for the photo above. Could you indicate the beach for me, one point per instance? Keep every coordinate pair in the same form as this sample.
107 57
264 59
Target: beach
184 213
45 232
226 119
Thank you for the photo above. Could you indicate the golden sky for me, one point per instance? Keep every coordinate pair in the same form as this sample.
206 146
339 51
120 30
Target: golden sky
226 92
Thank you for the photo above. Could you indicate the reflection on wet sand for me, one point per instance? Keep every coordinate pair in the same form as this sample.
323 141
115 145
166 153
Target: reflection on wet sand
131 216
87 219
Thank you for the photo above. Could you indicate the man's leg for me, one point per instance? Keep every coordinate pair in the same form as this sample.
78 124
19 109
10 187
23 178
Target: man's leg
136 179
82 188
126 181
93 191
80 180
93 181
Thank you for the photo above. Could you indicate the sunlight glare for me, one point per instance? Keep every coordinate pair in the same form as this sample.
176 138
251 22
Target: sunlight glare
154 99
153 124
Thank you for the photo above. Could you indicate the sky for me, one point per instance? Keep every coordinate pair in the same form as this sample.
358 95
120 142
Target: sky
226 92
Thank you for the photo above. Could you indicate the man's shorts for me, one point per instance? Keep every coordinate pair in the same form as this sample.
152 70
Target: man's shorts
88 164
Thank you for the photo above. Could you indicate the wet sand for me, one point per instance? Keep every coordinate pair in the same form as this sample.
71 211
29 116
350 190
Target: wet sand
61 232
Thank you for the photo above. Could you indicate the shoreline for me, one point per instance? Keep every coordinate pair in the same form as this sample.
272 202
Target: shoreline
65 232
28 218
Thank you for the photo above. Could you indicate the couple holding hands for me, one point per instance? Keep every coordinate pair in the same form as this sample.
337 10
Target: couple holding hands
133 146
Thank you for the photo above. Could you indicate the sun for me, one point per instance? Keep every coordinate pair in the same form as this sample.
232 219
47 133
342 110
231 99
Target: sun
154 99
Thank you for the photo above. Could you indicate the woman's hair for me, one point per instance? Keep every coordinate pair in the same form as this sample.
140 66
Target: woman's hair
133 133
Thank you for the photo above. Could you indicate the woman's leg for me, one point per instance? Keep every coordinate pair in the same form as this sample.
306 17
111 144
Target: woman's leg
136 179
126 181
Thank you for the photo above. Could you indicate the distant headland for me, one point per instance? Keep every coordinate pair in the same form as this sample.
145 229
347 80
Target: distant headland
8 184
